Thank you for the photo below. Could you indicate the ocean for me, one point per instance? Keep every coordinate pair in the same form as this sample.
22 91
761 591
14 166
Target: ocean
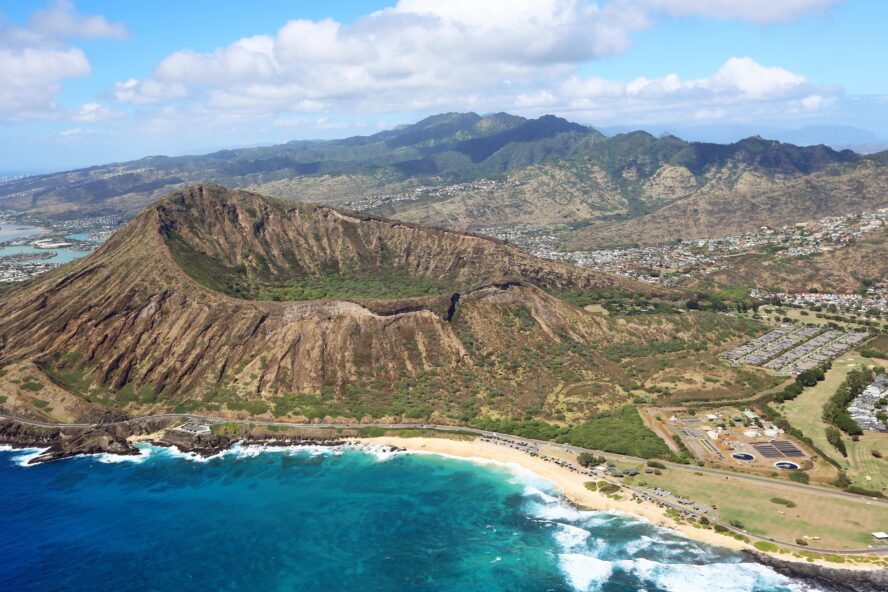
314 519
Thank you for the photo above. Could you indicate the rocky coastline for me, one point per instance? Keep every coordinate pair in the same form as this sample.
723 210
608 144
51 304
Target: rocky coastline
831 579
118 438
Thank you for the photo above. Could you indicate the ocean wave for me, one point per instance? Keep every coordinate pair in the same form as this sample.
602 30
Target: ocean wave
711 577
570 537
585 572
108 458
28 454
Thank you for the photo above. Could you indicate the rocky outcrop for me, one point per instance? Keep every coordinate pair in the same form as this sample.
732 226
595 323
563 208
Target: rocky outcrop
832 579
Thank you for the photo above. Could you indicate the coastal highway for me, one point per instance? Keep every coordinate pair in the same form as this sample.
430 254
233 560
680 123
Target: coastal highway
786 485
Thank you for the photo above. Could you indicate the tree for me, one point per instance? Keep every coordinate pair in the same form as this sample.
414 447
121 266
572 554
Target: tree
587 459
834 437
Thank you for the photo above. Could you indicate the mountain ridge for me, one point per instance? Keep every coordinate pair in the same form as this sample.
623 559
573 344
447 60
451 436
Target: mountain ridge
601 189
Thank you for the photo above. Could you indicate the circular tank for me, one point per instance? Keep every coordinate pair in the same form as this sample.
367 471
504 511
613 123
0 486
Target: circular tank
785 464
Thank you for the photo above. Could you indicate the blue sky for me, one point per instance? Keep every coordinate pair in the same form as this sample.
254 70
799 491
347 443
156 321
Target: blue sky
93 81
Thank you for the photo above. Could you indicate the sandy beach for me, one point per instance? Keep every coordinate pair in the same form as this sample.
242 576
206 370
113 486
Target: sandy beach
571 485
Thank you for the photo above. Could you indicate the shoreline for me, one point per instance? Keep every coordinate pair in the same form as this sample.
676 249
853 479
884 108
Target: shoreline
571 486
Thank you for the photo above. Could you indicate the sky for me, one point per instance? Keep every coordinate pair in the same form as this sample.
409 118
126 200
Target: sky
86 82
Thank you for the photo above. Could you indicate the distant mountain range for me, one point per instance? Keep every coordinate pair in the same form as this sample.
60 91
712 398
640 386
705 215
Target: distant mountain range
628 188
838 137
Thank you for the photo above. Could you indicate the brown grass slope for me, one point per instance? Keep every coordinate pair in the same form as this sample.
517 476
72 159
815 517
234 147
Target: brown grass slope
741 199
843 270
149 322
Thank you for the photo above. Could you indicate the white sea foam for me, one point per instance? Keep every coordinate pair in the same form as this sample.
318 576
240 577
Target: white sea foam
109 458
585 572
570 537
29 454
712 577
531 491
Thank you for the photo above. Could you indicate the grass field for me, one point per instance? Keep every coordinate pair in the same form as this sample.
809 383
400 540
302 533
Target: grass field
867 470
796 315
805 413
840 523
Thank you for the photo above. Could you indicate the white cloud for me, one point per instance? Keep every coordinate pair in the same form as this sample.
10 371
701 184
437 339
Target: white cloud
756 11
36 58
427 55
32 76
754 80
61 21
739 88
415 55
90 112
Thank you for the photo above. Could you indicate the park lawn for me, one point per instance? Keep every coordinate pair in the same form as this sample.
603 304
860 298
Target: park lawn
840 523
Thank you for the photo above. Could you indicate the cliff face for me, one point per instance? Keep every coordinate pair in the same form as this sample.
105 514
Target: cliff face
162 316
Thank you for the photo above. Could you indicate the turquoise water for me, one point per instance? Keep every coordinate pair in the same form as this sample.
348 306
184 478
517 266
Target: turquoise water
319 520
62 255
10 232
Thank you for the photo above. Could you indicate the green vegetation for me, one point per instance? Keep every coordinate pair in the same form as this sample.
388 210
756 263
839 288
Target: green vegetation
808 378
608 488
834 437
873 353
330 284
783 502
799 477
587 459
386 285
616 301
836 409
621 431
32 384
372 432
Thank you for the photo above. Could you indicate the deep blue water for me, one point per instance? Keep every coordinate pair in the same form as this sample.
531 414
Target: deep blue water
312 520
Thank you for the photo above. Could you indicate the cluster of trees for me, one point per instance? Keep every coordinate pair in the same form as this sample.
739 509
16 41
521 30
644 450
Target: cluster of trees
587 459
869 352
805 379
835 411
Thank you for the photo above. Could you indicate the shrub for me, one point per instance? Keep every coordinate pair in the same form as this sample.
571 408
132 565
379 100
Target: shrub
608 488
783 502
799 477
